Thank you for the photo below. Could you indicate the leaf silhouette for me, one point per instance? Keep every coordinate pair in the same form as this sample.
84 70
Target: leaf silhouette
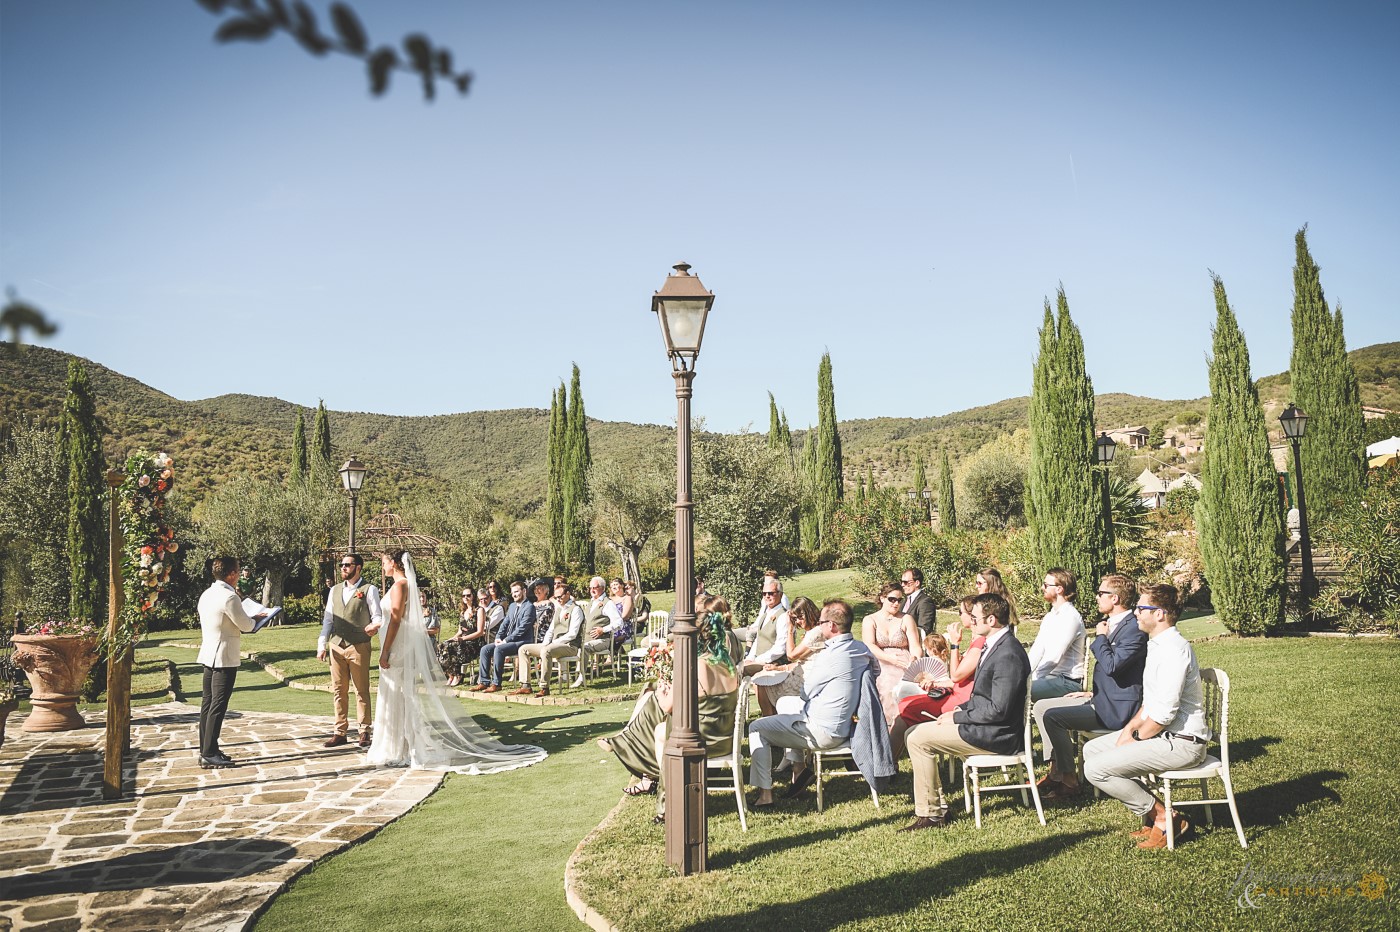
249 29
278 9
444 62
420 53
347 24
463 82
213 6
380 64
306 32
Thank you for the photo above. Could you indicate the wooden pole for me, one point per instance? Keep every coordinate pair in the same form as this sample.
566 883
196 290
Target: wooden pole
118 666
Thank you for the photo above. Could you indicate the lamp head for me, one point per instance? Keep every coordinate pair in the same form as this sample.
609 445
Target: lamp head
1104 449
352 474
681 306
1294 421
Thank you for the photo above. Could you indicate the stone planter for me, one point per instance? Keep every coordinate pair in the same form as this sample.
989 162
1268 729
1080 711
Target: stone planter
56 667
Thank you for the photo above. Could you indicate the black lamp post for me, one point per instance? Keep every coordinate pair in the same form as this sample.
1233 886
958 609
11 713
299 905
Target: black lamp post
352 476
1104 451
1295 424
681 306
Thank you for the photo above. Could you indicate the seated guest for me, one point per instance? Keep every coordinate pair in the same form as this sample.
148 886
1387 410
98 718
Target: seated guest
561 639
641 608
962 664
464 646
1057 655
894 640
618 593
990 722
924 691
1168 733
989 580
1120 650
541 590
641 744
513 634
601 621
802 617
771 629
838 685
431 621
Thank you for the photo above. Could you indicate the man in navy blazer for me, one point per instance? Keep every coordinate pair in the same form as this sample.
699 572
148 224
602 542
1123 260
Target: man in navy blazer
992 721
1120 652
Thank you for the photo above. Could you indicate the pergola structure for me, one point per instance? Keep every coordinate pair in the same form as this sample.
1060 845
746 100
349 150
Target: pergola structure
387 531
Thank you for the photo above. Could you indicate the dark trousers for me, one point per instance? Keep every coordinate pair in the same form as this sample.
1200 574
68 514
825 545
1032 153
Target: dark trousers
213 704
492 672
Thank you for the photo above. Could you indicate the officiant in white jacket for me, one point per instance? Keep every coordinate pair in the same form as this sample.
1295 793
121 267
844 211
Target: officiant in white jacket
223 622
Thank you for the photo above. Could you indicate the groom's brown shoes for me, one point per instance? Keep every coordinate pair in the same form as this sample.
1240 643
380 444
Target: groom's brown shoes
336 741
365 738
522 691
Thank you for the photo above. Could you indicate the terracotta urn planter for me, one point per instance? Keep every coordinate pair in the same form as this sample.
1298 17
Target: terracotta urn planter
56 667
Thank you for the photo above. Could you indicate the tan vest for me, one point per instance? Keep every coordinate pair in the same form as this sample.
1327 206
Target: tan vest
563 616
767 634
348 621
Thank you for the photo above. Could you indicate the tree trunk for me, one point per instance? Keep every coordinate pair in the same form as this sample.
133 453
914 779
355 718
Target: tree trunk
273 586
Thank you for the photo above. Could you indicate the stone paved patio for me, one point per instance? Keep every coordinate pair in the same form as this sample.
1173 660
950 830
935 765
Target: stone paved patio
194 849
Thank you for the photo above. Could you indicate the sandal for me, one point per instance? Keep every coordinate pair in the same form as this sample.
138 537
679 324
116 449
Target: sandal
641 788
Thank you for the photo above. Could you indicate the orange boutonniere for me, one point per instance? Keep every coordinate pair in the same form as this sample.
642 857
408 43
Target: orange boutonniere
359 594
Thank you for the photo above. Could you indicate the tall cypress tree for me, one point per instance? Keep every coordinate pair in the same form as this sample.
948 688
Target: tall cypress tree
1324 386
947 508
775 425
829 489
1238 514
323 467
87 484
809 526
920 478
300 465
554 493
1063 500
870 478
578 459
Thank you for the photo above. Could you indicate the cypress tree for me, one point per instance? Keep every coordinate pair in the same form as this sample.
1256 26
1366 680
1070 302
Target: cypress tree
554 494
1064 504
1324 386
775 425
947 508
870 479
300 466
323 467
578 458
810 528
87 484
920 479
829 491
1238 514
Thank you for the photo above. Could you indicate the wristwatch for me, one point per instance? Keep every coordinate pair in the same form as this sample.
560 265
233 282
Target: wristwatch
1136 736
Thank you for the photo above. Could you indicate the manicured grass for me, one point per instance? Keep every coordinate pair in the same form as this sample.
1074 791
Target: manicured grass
1313 737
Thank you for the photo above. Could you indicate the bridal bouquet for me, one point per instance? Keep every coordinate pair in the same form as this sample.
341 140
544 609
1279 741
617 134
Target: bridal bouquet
148 542
660 664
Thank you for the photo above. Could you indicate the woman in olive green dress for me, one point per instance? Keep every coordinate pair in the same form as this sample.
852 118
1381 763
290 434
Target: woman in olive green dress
639 746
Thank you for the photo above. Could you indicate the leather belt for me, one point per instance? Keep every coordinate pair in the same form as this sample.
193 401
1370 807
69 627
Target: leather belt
1192 738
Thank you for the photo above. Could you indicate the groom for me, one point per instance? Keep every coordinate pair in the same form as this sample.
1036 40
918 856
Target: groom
352 616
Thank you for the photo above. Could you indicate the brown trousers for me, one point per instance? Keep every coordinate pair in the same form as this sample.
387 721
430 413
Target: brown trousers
350 664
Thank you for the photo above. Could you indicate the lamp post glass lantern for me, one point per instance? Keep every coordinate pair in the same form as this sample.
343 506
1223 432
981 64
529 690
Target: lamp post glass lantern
1295 425
352 476
681 307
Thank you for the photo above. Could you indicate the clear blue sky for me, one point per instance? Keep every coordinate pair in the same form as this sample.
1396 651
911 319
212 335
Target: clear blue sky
902 183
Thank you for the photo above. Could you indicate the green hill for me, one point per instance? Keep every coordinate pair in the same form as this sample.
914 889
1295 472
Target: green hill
504 451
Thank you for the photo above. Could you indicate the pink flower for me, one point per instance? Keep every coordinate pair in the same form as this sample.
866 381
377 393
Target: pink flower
144 481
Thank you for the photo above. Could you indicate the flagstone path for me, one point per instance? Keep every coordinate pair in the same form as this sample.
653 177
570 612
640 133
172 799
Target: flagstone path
192 849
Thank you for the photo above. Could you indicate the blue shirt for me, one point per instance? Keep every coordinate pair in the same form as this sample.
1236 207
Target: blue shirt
831 684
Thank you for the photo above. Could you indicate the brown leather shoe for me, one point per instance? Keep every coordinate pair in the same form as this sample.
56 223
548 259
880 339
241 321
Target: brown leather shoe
1141 833
477 688
336 741
493 688
522 691
543 691
1156 838
366 737
922 822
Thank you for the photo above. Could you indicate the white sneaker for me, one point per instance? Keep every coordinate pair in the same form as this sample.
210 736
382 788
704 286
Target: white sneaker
578 683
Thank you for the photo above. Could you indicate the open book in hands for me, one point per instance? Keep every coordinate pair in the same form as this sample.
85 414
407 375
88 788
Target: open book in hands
254 608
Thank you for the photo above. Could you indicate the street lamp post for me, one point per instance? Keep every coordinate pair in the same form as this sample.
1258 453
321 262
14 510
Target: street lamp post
1104 450
927 494
1295 424
681 307
352 476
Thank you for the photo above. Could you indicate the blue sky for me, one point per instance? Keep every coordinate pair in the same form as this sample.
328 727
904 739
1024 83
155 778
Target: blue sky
900 183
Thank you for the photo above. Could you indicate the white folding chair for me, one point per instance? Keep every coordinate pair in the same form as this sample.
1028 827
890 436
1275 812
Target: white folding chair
730 765
1216 686
659 623
820 758
565 665
976 763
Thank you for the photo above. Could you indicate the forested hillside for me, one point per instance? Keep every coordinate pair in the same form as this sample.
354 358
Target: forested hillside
504 451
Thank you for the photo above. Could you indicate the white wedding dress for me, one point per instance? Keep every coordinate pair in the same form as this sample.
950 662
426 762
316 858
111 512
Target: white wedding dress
418 722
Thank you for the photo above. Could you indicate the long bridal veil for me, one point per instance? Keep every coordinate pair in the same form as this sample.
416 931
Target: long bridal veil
419 722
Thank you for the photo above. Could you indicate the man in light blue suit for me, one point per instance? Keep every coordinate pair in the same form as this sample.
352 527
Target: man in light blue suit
831 691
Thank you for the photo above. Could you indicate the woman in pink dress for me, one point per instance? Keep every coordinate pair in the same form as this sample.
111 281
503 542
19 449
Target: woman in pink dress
894 640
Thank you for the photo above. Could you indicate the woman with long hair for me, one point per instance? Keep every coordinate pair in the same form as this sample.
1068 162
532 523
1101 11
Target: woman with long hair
894 640
806 624
989 580
464 646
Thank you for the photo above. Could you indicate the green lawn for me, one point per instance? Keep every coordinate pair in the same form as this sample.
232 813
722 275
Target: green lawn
1314 731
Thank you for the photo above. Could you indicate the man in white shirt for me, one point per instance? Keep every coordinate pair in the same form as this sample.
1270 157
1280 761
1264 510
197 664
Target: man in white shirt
1057 655
601 618
769 630
1168 733
352 616
561 639
222 622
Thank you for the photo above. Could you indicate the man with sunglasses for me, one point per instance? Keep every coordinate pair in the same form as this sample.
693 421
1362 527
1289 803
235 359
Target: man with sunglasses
769 629
1120 650
1168 733
353 615
917 602
1057 655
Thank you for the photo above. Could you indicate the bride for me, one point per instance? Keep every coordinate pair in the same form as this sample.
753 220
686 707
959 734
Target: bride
418 722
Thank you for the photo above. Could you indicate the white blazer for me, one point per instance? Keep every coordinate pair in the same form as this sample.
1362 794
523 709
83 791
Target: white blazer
223 620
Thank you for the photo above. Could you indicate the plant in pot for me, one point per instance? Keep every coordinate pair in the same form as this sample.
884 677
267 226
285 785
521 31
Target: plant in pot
56 658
